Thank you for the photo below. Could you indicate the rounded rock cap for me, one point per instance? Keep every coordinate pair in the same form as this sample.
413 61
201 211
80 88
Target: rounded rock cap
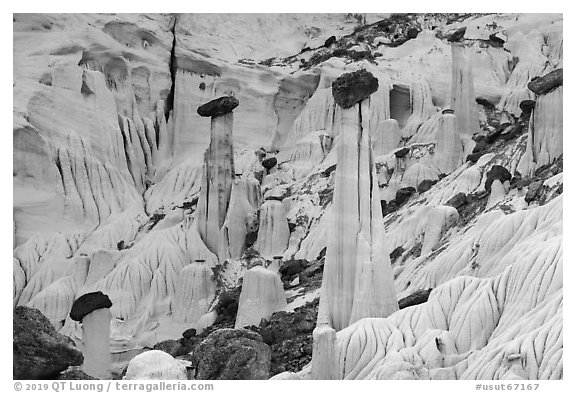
87 303
353 87
219 106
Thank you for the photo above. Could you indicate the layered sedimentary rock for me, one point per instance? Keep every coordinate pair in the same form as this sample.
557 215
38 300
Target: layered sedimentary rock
545 140
386 137
357 280
463 99
273 232
449 152
262 294
195 292
218 171
241 219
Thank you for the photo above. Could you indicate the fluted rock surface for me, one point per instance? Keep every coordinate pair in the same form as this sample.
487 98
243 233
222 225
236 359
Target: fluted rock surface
262 294
357 279
216 186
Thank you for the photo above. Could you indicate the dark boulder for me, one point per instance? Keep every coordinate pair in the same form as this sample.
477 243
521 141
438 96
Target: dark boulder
496 41
412 33
353 87
497 172
403 194
39 352
474 157
425 185
329 42
232 354
171 347
527 105
87 303
418 297
546 83
484 102
269 163
457 35
189 333
480 146
217 107
290 268
397 253
533 190
457 201
402 152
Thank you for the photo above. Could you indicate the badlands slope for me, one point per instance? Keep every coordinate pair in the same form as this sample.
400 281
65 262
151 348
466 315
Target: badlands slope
110 168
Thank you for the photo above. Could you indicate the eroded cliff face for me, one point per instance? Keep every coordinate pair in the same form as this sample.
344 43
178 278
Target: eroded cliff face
108 165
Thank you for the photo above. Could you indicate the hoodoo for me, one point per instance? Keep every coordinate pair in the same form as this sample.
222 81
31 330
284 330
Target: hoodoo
93 311
357 281
218 170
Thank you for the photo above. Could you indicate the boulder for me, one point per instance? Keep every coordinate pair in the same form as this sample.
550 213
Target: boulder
171 347
412 33
403 194
291 268
546 83
39 352
87 303
402 152
418 297
269 163
474 157
533 190
425 185
353 87
484 102
457 35
457 201
189 333
217 107
328 43
235 354
496 41
527 105
496 172
155 365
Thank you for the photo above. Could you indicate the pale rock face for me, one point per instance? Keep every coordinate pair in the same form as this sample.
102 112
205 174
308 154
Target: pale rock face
545 141
357 280
240 220
96 343
531 62
262 294
463 100
421 104
218 173
155 365
273 232
427 224
446 338
449 152
386 137
194 293
324 362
